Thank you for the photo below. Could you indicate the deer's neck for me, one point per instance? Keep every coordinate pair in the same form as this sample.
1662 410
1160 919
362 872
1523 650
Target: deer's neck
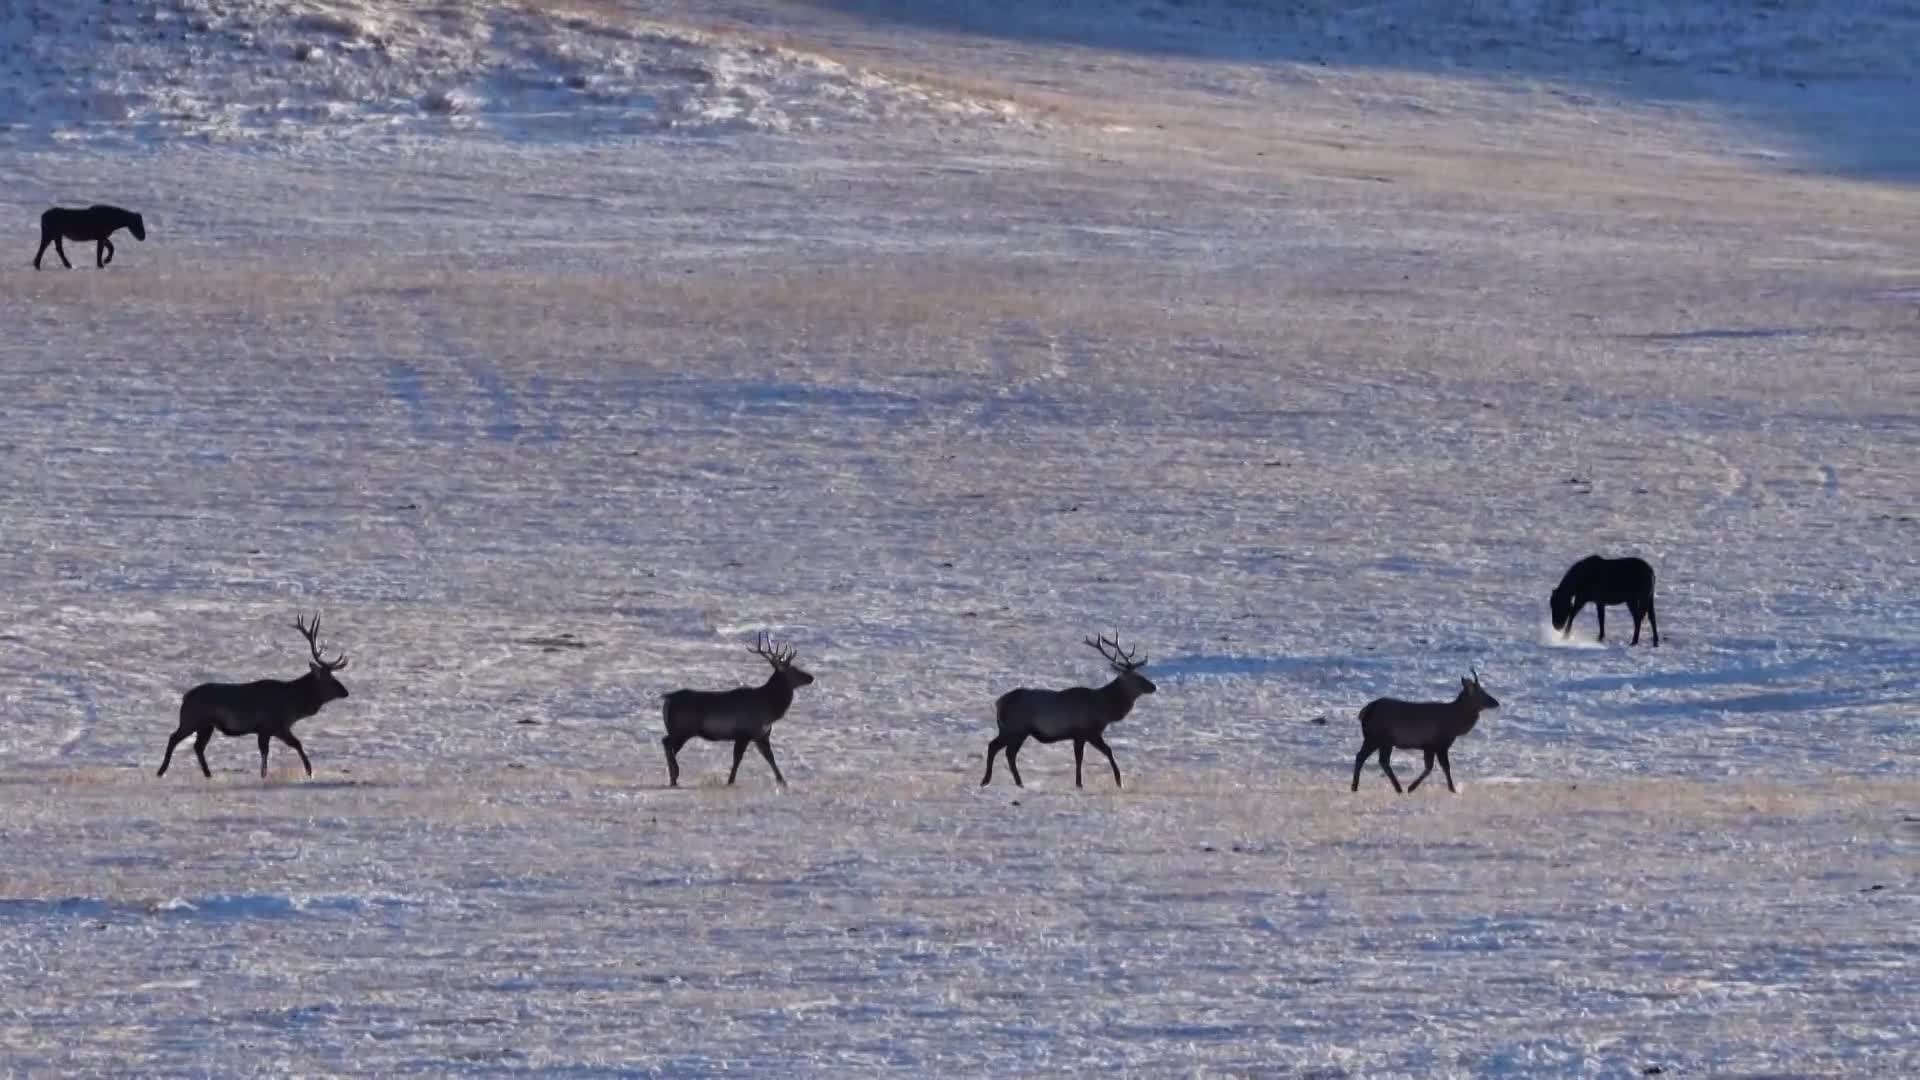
1466 714
306 696
1117 699
777 694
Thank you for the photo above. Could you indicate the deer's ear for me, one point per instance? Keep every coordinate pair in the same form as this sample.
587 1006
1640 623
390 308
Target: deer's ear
1466 683
314 666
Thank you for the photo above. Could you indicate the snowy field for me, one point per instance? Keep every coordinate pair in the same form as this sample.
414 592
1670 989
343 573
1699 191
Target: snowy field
552 358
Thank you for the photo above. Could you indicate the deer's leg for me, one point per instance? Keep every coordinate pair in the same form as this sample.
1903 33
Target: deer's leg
1366 751
266 740
739 751
1013 751
103 254
1079 752
288 738
1639 613
60 249
1600 612
46 239
1100 744
1652 622
175 740
673 746
1446 769
765 746
1423 773
200 750
993 748
1386 766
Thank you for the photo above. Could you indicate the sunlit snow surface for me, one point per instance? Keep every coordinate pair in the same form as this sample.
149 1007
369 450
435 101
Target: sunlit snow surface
1311 391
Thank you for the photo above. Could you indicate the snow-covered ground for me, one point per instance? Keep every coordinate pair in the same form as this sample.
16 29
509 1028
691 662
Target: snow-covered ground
961 336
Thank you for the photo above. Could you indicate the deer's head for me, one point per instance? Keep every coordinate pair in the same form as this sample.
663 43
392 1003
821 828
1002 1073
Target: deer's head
781 659
1470 690
1124 664
319 668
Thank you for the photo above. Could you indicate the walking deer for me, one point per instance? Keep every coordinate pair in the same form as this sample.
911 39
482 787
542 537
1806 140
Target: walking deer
743 716
266 709
1079 713
1389 724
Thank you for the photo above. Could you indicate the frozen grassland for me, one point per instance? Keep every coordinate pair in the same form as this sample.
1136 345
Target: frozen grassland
943 349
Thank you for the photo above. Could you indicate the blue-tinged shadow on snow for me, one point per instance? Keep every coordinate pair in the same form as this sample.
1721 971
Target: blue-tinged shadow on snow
229 907
1876 673
1834 78
1768 702
1739 674
1202 666
1733 334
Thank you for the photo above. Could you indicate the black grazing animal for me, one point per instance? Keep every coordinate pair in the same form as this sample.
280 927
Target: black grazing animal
96 223
1387 724
1079 713
742 716
266 709
1597 581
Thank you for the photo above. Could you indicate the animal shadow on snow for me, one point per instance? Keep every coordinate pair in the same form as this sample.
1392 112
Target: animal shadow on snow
1203 665
1772 687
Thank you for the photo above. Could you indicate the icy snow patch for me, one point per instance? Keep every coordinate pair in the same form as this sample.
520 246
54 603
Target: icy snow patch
302 69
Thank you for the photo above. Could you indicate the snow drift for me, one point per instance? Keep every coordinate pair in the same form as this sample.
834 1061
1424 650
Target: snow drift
302 69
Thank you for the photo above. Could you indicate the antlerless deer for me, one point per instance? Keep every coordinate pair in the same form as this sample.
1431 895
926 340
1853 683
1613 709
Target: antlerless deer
1387 724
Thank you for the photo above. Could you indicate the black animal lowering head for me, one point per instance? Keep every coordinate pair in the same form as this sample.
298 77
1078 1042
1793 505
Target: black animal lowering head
1124 664
1560 607
322 669
781 659
137 225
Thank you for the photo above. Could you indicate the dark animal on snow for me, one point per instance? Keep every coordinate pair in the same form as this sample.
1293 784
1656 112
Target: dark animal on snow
1389 724
95 224
743 716
265 709
1079 713
1597 581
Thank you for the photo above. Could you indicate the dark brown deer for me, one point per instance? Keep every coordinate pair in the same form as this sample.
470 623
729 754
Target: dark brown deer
1080 713
265 709
743 716
1387 724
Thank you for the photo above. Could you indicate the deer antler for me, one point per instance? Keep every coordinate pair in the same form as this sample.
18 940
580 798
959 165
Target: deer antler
1475 674
312 634
765 648
1109 648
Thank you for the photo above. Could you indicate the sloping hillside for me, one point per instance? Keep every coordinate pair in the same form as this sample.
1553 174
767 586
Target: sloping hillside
316 68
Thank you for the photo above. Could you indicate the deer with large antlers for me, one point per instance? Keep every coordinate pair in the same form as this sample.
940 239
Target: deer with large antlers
743 716
1080 713
265 709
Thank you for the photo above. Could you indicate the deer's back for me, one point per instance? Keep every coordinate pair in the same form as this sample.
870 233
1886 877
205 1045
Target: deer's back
238 708
740 713
1410 725
1049 715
